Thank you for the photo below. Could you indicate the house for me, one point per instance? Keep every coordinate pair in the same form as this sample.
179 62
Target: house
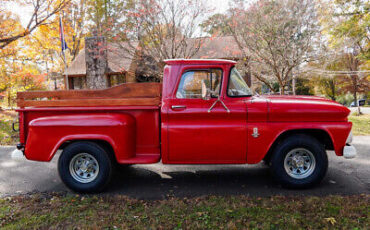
119 69
118 65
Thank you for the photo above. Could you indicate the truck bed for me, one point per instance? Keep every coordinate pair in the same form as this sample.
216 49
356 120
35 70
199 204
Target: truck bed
47 116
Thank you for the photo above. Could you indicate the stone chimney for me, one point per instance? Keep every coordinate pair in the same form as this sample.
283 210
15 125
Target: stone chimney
96 57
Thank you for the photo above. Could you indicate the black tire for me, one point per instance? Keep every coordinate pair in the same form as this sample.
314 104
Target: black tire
266 161
123 167
305 142
103 159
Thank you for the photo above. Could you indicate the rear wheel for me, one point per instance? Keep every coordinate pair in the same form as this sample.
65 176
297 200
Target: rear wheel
299 162
85 167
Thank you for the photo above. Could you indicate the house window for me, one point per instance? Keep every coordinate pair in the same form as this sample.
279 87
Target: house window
77 82
116 79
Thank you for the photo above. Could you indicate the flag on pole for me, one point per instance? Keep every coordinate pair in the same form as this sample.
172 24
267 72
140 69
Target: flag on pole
61 31
64 47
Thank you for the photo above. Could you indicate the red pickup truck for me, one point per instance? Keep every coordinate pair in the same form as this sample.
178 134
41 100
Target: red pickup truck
203 113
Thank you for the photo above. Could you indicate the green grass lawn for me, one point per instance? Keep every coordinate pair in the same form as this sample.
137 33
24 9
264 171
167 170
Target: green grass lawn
212 212
361 124
7 135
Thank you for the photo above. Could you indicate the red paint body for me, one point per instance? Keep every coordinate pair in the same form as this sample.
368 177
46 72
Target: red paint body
190 135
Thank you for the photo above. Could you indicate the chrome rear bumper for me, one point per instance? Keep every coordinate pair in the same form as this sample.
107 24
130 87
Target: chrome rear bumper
18 155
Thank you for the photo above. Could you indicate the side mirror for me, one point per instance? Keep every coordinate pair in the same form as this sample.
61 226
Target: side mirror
206 92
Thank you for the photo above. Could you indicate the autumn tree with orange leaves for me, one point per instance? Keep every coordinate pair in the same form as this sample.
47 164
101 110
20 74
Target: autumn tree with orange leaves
28 52
43 10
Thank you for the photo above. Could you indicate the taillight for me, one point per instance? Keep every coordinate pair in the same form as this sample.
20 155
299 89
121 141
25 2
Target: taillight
21 127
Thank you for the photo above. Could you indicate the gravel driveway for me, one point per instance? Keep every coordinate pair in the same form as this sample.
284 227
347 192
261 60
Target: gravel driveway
159 181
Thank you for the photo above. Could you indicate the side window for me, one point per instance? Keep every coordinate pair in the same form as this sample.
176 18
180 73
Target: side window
237 86
191 83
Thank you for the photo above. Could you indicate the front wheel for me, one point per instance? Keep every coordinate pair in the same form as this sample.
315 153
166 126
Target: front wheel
299 162
85 167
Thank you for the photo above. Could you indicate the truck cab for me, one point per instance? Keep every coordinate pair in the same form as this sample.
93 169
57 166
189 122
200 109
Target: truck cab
202 113
206 126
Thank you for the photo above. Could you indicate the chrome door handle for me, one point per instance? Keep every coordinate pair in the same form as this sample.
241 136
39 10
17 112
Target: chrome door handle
178 107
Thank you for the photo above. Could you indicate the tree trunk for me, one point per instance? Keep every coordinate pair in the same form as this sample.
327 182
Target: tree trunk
353 64
282 90
333 91
356 102
355 91
9 98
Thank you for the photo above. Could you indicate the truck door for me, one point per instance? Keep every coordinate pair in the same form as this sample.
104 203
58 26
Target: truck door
198 135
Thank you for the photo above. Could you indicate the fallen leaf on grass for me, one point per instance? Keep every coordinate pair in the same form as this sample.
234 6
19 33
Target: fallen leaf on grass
331 220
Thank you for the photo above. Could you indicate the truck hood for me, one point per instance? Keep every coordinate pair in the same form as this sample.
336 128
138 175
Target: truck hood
305 108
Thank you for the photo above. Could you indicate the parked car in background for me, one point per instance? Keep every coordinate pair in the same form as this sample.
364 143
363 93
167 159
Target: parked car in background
203 113
360 102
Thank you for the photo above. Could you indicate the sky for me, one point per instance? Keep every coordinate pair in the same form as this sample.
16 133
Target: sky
219 5
24 12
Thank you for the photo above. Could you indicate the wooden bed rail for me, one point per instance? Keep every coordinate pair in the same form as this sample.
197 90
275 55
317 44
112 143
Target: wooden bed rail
124 94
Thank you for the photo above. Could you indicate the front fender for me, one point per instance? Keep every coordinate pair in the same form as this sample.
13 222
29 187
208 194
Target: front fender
47 134
269 132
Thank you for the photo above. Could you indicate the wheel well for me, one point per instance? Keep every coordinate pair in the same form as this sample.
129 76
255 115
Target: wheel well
104 144
319 134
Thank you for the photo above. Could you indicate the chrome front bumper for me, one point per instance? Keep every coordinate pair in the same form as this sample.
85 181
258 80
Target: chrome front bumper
349 151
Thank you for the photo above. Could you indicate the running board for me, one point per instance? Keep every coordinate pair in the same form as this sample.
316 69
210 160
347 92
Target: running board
142 159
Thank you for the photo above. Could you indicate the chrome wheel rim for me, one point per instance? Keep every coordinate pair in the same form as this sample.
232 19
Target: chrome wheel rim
299 163
84 168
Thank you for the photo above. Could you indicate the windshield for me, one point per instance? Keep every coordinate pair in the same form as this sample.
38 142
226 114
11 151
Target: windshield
237 86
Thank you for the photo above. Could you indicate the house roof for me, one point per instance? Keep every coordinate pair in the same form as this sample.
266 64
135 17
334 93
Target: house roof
211 48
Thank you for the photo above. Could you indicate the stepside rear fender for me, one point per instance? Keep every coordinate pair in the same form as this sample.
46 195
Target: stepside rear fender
47 134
